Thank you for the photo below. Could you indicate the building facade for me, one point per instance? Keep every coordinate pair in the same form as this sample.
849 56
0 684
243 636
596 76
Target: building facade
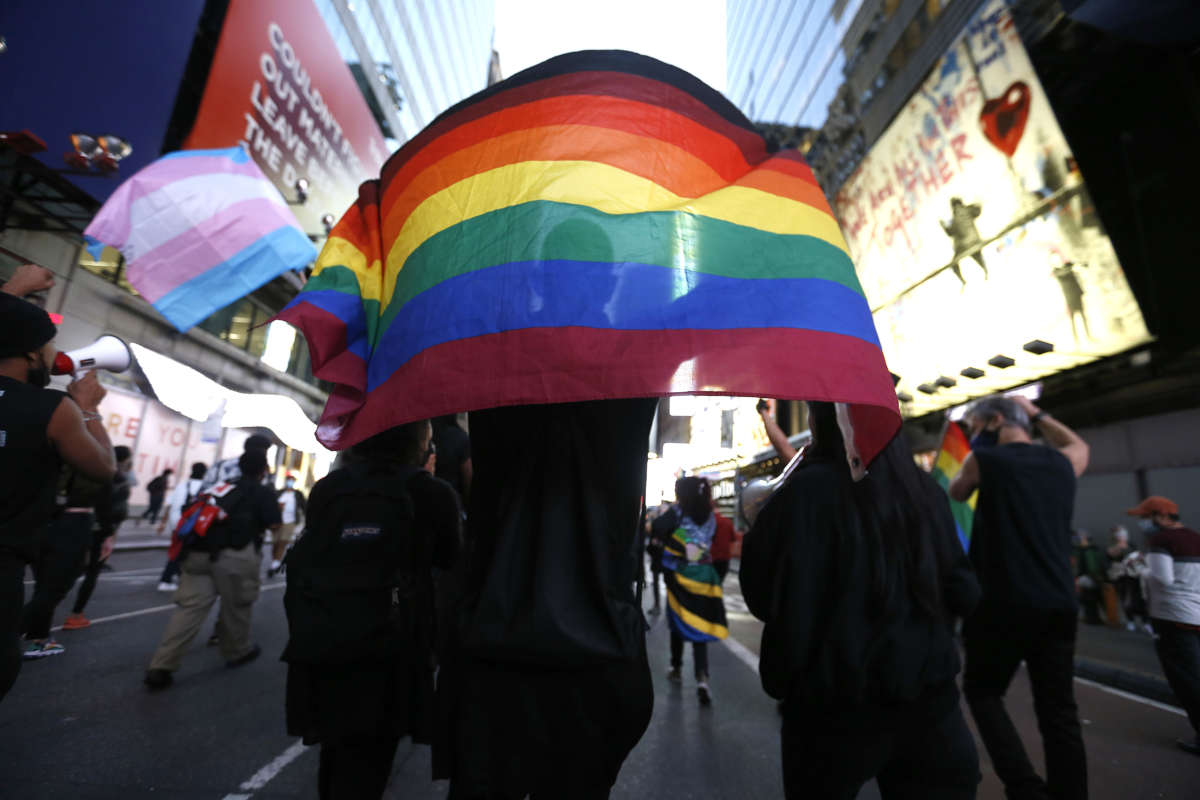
172 81
1007 230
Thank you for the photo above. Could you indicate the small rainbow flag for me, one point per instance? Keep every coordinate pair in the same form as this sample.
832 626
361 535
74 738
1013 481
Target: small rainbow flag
949 461
602 225
200 229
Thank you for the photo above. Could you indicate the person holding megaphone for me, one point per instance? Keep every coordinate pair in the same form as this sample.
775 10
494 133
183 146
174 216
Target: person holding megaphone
40 429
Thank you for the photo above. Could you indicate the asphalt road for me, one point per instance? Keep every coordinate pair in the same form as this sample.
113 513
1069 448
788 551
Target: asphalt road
81 725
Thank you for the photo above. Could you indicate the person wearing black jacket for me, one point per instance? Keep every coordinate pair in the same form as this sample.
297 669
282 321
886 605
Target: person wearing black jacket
859 584
545 687
360 668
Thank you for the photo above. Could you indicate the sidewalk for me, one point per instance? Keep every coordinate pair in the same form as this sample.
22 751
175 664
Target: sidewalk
134 534
1121 659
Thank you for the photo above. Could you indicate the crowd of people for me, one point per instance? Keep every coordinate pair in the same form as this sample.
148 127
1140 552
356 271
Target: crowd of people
483 594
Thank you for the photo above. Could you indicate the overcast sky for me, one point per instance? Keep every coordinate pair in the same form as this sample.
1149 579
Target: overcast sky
687 33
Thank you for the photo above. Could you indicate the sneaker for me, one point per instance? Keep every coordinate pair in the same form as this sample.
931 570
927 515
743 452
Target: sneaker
705 695
158 679
167 586
76 621
1192 747
254 653
1131 627
46 647
674 675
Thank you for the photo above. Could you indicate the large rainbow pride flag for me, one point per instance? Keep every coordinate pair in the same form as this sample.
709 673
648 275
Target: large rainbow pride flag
602 225
950 458
200 229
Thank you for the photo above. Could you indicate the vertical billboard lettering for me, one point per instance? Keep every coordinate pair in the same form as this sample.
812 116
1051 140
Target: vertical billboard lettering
279 86
974 234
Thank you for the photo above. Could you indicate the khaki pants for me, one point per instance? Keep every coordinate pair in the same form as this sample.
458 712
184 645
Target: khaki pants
234 577
281 536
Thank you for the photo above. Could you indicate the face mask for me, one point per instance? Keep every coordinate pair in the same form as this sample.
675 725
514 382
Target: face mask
985 438
1147 525
289 483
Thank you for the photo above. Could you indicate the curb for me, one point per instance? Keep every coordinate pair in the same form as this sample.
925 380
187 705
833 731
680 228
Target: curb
1132 682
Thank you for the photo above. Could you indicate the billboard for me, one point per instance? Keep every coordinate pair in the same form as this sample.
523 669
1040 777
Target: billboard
974 234
82 68
279 85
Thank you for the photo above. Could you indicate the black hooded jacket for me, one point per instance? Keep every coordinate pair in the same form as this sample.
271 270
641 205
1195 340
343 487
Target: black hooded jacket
827 649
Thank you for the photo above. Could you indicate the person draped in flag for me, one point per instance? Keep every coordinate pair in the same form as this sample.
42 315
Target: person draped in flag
695 607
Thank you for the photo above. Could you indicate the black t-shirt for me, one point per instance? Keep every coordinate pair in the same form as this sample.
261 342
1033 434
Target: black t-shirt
1021 539
29 463
453 448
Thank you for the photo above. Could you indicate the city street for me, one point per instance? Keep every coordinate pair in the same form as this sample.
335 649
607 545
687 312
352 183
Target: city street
82 725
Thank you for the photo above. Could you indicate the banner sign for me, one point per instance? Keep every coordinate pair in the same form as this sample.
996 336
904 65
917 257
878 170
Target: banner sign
279 86
973 232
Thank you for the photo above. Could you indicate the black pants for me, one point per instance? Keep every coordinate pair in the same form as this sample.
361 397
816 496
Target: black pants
1132 602
12 598
918 759
62 546
722 568
156 503
1179 652
170 572
1089 599
699 655
656 585
355 768
997 641
90 575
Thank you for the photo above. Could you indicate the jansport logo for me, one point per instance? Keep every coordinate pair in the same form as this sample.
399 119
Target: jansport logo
360 531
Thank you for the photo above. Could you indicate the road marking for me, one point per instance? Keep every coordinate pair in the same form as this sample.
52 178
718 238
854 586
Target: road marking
1130 696
743 653
154 609
265 775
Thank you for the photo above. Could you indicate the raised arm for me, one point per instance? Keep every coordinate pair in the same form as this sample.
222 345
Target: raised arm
1060 437
77 431
775 434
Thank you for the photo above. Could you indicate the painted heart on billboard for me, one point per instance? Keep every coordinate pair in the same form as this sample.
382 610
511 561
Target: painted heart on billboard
1003 118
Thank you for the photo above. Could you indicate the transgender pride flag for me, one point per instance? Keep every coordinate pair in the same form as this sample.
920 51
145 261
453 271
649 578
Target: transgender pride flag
200 229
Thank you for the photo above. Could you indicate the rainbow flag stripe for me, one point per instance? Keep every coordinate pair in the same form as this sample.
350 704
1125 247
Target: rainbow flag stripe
949 461
602 225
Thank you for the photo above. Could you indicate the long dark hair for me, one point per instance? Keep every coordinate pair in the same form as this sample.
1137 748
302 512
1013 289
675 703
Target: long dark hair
896 514
694 496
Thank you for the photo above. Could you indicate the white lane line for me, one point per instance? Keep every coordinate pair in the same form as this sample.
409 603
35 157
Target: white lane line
743 653
264 776
154 609
1130 696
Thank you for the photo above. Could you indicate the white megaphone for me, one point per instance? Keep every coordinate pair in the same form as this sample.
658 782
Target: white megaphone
757 492
108 352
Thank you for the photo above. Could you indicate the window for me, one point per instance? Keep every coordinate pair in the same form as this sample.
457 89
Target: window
110 266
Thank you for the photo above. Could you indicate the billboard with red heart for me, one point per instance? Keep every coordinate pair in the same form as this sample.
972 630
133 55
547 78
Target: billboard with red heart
974 234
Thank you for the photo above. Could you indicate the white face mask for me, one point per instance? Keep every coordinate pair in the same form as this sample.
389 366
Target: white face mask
1147 524
289 484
